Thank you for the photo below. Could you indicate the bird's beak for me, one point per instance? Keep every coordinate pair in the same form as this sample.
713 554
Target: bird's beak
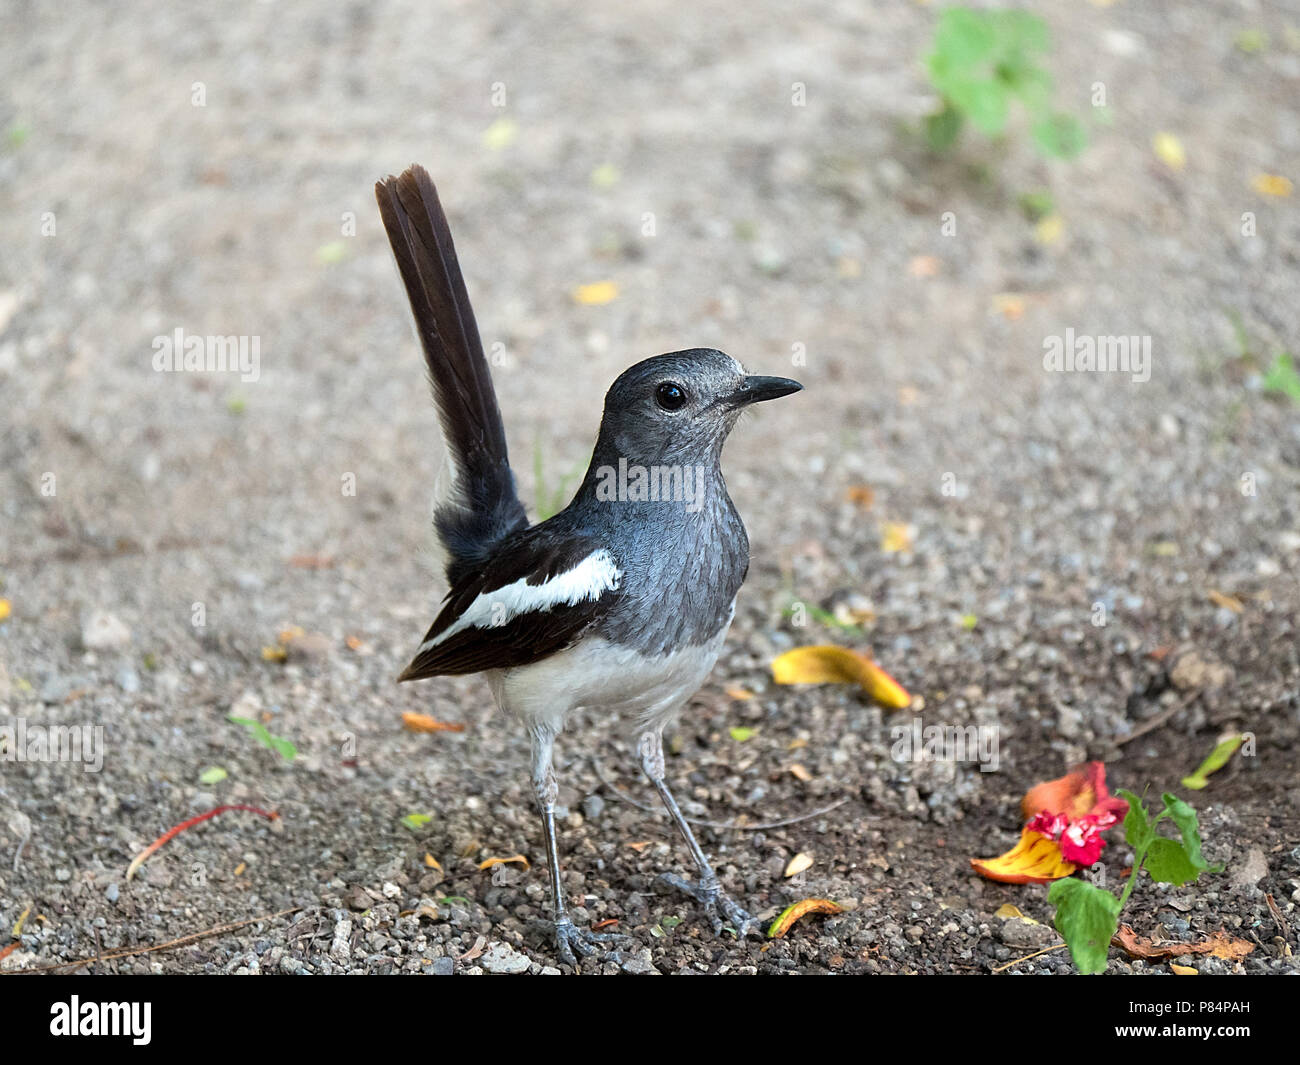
757 389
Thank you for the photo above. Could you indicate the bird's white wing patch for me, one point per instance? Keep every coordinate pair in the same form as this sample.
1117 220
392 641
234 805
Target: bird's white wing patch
588 580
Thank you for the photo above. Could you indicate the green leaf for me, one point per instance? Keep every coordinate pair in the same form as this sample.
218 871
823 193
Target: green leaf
414 821
214 774
1060 136
985 104
1216 760
1138 832
1282 377
1087 917
943 128
1168 863
1185 818
284 748
741 733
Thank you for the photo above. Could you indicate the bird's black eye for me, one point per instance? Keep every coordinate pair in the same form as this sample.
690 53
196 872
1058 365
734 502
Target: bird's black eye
670 395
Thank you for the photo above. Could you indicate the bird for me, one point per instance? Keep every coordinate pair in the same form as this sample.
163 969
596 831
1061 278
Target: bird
619 603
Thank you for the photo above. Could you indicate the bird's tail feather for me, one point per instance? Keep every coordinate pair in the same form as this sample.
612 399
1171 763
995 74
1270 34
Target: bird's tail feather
482 506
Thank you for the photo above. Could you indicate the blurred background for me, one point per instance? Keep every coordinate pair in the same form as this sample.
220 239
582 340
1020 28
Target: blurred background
845 193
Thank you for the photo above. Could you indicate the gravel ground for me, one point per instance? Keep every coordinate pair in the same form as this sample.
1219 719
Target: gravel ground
804 240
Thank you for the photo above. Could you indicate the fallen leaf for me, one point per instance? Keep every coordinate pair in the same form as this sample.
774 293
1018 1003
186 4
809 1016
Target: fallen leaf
828 664
785 922
214 774
1183 970
1006 911
432 862
1215 761
1049 230
17 932
1009 305
518 859
863 495
501 134
1169 150
1271 185
800 773
311 561
605 176
742 733
1034 860
414 821
414 722
895 536
1228 602
1219 945
923 266
798 864
597 293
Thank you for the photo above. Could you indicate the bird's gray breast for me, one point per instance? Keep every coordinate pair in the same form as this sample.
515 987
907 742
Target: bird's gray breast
681 570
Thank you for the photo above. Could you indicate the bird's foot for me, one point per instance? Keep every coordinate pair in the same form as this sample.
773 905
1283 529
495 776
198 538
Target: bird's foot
572 943
721 909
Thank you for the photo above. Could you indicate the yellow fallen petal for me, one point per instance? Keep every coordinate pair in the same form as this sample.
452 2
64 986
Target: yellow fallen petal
519 859
828 664
1006 911
895 536
597 293
5 609
1034 860
800 773
431 862
274 654
1271 185
798 864
501 134
783 924
1169 150
1009 305
1050 230
1184 970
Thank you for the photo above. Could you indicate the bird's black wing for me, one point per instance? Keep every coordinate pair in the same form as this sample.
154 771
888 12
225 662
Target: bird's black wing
483 508
538 595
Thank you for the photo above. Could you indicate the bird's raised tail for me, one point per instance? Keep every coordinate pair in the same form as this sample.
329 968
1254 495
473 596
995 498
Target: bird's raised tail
482 506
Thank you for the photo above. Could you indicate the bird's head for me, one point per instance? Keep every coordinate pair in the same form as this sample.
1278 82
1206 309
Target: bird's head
680 407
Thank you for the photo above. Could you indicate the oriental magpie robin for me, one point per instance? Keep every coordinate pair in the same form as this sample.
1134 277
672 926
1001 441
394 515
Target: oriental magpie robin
619 602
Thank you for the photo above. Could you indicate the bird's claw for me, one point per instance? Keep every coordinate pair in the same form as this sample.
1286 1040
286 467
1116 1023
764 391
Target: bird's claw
722 910
572 943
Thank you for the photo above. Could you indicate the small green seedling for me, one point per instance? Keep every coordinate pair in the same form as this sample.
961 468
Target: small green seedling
282 747
1282 377
1088 916
982 62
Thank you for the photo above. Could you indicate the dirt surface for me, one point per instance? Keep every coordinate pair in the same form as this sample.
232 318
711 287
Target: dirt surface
805 240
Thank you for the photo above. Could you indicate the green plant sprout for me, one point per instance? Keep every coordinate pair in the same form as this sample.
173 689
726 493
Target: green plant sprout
258 731
1088 916
981 62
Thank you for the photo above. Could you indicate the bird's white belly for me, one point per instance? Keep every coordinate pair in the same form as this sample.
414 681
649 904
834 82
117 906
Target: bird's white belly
599 675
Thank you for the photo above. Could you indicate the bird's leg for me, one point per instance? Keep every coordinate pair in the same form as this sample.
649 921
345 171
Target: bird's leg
569 940
717 904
